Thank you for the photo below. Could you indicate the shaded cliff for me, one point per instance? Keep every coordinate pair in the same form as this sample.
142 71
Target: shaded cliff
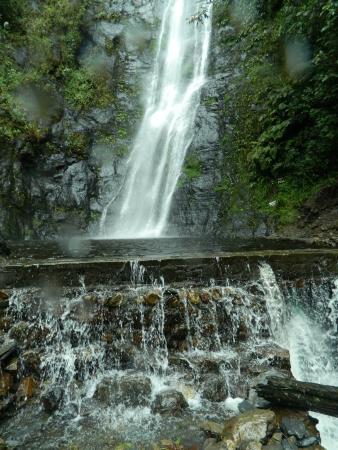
72 82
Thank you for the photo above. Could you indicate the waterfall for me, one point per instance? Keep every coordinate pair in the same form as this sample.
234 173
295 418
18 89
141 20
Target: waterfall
312 360
310 346
166 131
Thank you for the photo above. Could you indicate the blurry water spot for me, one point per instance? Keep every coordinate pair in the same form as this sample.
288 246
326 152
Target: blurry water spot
243 12
75 247
37 104
297 57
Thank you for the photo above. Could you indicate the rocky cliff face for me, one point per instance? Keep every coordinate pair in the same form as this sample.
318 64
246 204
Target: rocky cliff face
60 181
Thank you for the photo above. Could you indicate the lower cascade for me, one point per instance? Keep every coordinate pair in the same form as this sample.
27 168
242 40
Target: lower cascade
142 366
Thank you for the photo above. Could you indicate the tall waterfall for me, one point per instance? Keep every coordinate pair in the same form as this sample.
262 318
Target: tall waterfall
159 150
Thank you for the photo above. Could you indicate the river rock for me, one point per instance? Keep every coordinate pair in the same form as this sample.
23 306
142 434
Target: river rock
212 444
5 324
30 361
287 444
152 298
215 389
52 399
194 297
169 402
131 390
308 441
90 299
20 332
7 349
212 429
115 301
245 405
252 445
12 366
254 426
3 445
27 388
291 426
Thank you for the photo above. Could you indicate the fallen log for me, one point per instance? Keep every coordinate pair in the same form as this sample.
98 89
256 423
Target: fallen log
299 395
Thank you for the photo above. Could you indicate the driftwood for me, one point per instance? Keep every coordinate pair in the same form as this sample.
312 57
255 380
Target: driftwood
300 395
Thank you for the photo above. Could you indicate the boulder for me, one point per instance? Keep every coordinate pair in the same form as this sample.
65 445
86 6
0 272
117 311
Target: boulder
194 297
20 332
252 445
256 425
245 405
115 301
30 361
215 389
27 388
308 441
131 390
212 444
169 402
52 399
152 298
292 426
7 349
212 429
287 444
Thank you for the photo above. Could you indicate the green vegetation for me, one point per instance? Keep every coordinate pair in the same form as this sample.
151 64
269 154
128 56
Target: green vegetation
284 104
38 62
192 168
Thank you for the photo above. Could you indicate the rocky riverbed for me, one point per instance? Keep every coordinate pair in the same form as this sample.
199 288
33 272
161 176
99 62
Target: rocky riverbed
151 366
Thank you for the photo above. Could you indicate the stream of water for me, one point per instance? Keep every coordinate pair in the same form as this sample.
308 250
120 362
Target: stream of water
157 157
311 335
95 357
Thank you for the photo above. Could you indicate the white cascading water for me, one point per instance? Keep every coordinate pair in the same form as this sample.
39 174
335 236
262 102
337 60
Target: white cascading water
157 157
312 360
309 345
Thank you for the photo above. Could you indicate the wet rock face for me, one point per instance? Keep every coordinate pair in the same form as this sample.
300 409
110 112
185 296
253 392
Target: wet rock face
64 190
130 390
72 337
52 398
169 402
60 185
253 426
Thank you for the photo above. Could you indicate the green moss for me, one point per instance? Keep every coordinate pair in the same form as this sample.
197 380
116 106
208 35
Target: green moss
192 168
77 144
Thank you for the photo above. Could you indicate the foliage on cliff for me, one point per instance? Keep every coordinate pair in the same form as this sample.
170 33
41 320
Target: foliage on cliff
284 103
39 70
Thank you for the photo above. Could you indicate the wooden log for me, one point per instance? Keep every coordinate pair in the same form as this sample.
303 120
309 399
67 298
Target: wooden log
299 395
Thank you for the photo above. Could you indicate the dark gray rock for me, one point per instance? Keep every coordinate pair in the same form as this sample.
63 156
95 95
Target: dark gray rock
169 402
245 405
292 426
131 390
52 399
308 441
214 389
288 445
